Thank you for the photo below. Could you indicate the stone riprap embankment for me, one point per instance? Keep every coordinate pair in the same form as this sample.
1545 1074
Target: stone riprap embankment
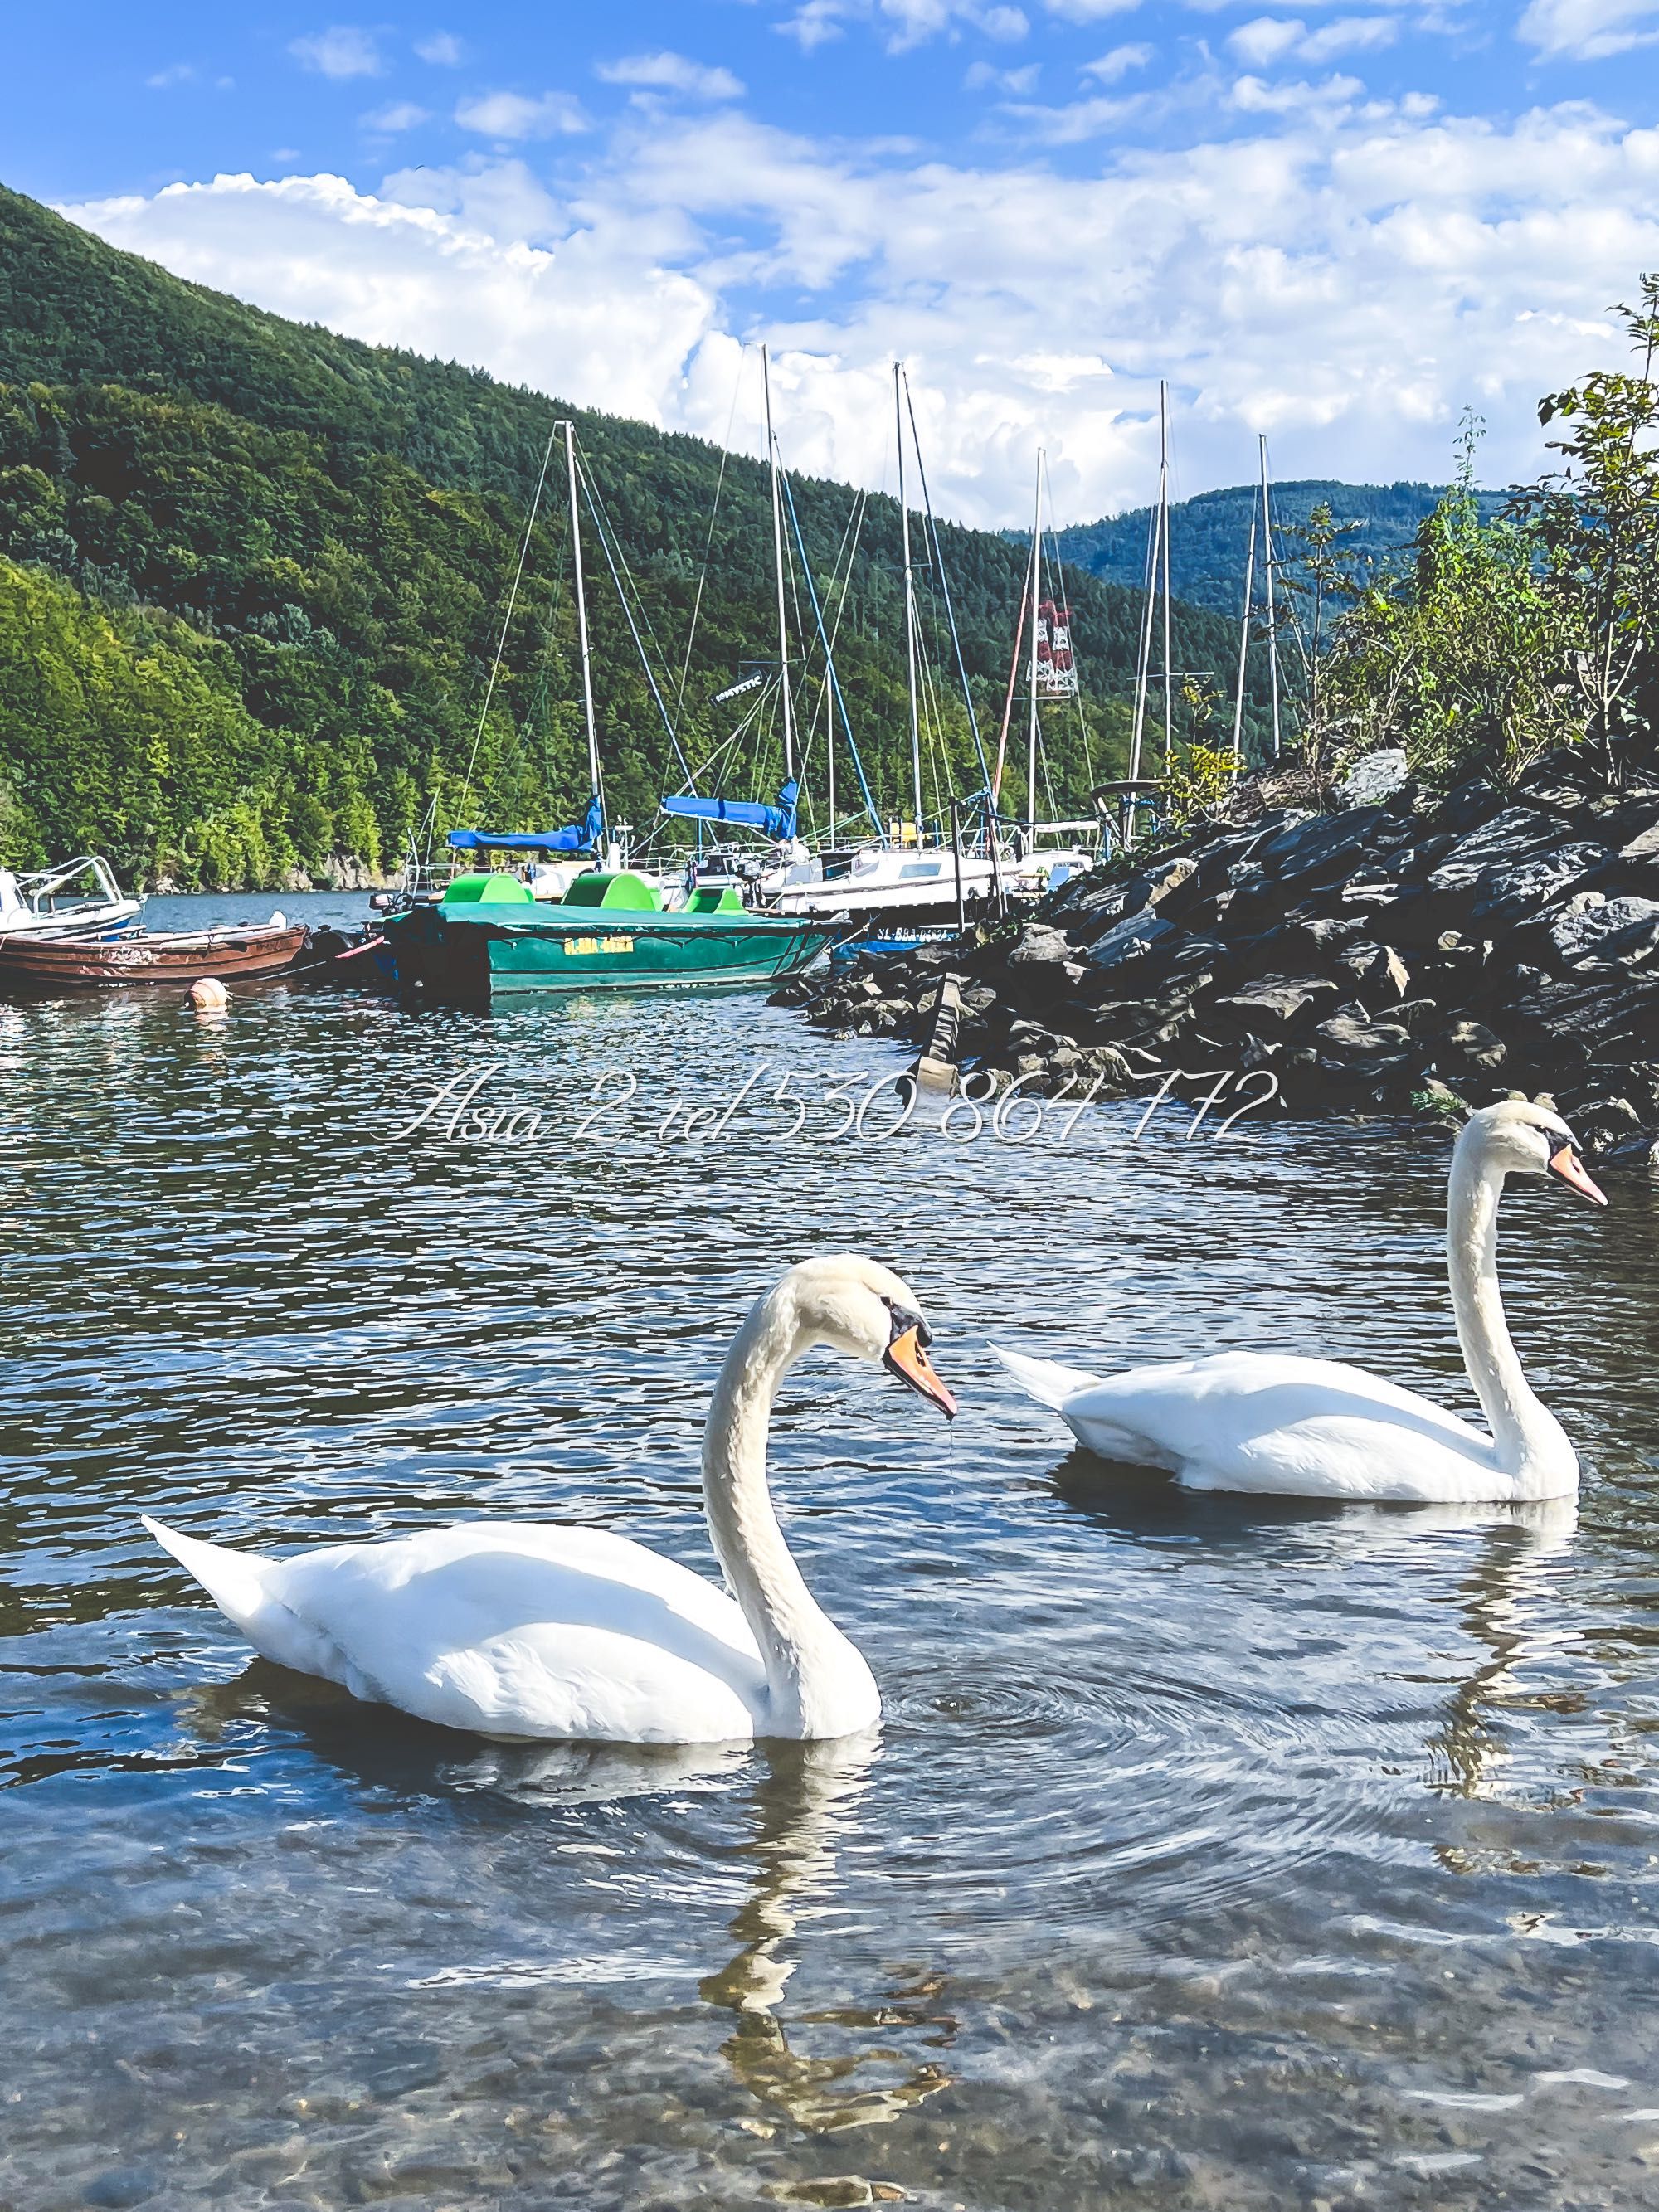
1388 958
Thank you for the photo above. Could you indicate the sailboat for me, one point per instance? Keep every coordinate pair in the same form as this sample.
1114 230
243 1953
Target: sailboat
1052 681
898 885
490 935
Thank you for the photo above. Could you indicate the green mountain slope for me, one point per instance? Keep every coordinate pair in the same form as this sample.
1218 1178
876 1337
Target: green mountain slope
1209 535
320 535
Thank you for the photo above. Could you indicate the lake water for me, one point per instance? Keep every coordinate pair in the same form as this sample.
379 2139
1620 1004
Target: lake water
1214 1853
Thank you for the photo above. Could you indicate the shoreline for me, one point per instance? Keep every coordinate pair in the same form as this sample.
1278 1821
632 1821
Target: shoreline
1414 955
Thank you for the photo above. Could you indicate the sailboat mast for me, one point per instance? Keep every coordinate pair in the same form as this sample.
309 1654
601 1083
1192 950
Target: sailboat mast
581 614
1143 664
777 557
1268 573
1036 588
1163 517
1243 647
909 604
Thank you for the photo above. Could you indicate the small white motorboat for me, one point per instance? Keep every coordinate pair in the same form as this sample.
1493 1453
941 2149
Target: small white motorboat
77 899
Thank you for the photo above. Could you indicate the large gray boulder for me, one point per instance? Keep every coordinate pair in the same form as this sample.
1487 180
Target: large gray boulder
1278 1003
1515 835
1609 932
1131 939
1511 891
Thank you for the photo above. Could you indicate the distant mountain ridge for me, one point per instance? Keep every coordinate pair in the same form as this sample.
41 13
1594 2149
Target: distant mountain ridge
1209 534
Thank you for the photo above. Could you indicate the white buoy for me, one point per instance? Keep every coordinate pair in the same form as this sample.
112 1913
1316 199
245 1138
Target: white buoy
207 994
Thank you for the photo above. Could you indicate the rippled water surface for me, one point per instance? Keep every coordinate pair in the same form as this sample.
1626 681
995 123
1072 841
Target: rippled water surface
1214 1853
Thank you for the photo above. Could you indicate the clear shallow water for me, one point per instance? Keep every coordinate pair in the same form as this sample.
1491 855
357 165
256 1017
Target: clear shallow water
1214 1854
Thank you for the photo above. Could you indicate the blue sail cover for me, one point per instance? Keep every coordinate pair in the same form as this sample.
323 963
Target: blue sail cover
777 820
534 840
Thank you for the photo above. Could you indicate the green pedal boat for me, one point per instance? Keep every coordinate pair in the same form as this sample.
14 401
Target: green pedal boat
488 936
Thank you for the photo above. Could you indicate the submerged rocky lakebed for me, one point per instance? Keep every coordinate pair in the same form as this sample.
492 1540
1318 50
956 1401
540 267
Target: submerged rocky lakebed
1215 1853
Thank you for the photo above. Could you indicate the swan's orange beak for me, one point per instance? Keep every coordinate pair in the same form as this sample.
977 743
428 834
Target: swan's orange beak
1570 1168
906 1357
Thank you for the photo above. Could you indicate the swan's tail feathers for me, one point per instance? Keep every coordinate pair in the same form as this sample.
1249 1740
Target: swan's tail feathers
235 1581
1045 1380
243 1587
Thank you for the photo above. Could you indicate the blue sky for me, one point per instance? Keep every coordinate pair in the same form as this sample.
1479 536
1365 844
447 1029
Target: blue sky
1341 223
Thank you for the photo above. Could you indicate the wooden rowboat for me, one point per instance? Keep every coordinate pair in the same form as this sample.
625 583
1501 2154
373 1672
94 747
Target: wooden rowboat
144 956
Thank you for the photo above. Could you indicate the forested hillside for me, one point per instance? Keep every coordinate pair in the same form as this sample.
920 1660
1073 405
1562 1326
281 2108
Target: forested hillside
253 576
1209 535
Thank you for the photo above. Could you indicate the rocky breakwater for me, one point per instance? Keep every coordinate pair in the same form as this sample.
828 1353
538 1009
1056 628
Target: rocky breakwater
1392 958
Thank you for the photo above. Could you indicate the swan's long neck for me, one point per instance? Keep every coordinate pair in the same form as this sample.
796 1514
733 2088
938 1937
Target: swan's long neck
1528 1439
817 1682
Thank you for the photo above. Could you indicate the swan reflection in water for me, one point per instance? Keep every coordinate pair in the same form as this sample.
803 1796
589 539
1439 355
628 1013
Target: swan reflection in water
805 1797
1510 1606
1507 1598
806 1801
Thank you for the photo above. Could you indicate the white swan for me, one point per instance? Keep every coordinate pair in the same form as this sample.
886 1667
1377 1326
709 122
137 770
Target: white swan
1313 1428
515 1630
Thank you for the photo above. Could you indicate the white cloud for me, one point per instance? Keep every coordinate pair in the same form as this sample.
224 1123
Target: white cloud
1270 38
666 72
511 115
905 23
1345 273
396 115
175 72
1118 63
592 317
1260 43
1074 124
982 75
1252 95
1589 30
442 50
339 52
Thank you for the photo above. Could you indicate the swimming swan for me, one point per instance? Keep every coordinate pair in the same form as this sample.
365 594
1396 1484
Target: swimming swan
516 1630
1312 1428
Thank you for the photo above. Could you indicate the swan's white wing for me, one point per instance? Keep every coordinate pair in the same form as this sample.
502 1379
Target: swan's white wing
505 1629
1309 1428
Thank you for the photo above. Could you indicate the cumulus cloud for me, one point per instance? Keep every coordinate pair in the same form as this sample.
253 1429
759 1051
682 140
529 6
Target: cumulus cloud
1345 273
905 23
1589 30
341 51
591 316
1118 63
666 72
511 115
1270 38
442 49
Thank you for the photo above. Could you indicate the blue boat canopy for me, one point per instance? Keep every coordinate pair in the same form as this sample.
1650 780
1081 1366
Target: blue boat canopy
777 820
576 840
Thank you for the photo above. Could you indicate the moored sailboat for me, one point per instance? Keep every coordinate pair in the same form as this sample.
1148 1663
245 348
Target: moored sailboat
490 935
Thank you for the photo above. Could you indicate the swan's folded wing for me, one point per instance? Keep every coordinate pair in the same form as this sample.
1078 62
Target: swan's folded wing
523 1630
1305 1428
